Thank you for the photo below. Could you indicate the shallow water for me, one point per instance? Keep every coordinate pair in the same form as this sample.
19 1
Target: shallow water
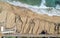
42 9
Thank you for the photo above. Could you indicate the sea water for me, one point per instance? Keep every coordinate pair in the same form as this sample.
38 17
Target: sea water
42 9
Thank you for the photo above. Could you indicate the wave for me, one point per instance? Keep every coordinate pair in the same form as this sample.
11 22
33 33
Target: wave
42 9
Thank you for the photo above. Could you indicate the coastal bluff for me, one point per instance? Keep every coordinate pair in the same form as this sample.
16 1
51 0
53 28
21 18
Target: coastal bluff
24 21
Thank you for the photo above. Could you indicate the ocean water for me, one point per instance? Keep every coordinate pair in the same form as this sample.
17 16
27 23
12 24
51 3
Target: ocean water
42 9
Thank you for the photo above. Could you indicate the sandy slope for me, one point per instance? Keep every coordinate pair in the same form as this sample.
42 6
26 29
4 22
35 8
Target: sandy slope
25 20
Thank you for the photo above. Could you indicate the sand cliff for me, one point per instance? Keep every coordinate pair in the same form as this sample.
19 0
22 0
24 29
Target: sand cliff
26 21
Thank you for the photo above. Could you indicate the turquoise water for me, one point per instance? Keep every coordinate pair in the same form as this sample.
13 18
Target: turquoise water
48 7
49 3
31 2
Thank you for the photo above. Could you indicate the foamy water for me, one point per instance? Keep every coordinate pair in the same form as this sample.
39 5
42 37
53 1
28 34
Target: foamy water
42 9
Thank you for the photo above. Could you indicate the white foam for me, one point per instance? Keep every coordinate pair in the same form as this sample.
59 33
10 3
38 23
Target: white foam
38 9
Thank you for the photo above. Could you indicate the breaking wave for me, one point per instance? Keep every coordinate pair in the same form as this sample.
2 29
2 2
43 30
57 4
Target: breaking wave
42 9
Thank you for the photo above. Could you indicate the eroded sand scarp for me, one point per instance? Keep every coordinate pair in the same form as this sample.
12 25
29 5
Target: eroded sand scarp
21 20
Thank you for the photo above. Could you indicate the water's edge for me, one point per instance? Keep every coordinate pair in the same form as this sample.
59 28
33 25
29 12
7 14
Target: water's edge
40 10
